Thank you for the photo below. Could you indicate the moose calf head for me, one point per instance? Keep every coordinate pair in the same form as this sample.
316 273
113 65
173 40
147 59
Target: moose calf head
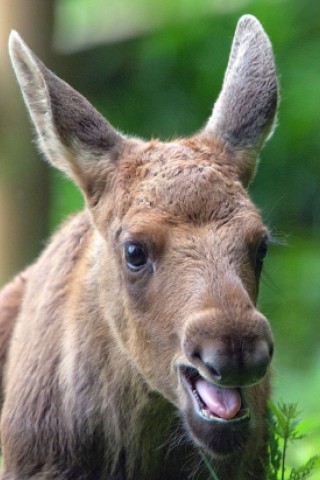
177 247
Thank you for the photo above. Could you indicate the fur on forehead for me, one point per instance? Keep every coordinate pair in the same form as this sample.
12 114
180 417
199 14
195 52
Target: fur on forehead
190 180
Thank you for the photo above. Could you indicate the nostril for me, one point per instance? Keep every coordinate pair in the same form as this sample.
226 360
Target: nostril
263 352
260 359
207 357
195 355
214 372
210 357
271 350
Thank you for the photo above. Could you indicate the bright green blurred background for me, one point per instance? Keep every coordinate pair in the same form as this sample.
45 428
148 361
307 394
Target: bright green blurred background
154 68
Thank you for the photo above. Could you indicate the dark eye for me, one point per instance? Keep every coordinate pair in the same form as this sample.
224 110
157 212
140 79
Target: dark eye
135 256
261 253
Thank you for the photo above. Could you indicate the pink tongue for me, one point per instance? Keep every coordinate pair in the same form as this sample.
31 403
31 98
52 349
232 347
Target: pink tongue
222 402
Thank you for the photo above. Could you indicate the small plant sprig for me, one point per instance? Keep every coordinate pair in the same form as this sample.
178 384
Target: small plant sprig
283 428
207 463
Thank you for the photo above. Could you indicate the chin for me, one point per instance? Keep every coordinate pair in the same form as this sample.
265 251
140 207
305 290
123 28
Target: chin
221 439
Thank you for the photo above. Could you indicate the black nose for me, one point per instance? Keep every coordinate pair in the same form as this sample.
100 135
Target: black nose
232 365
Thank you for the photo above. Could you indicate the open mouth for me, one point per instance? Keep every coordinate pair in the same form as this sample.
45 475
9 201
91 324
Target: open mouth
213 403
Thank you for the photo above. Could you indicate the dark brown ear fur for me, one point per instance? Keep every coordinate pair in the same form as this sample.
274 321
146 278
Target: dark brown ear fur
76 119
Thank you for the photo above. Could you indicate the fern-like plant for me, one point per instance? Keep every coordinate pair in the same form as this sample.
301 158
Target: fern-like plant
283 428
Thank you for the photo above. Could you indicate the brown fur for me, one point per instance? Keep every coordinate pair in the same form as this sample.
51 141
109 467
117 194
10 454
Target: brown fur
95 378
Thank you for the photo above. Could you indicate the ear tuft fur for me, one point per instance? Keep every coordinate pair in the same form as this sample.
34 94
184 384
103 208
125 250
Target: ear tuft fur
28 75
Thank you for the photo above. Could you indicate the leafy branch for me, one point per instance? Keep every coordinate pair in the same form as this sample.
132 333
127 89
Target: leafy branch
284 420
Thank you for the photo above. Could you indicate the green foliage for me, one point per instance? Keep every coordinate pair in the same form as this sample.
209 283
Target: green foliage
207 463
284 422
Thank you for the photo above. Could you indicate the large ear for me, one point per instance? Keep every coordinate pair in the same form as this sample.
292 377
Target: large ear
244 114
72 134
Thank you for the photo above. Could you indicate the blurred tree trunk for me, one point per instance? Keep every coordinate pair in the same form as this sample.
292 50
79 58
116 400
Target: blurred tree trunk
24 186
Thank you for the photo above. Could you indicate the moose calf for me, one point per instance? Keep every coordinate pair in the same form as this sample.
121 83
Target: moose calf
133 344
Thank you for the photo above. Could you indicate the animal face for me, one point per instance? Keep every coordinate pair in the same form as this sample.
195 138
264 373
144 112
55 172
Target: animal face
189 246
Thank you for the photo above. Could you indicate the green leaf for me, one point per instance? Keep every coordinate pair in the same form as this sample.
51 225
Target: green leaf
208 465
305 470
279 417
284 420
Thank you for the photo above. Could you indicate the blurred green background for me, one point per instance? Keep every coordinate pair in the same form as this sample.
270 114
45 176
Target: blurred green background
154 68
